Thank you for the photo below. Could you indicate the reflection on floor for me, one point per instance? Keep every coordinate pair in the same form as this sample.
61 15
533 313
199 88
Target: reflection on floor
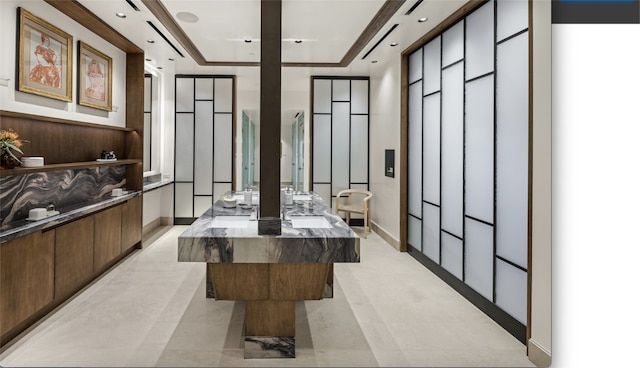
151 310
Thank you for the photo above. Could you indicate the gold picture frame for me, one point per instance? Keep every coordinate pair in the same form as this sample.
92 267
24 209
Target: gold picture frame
94 78
44 58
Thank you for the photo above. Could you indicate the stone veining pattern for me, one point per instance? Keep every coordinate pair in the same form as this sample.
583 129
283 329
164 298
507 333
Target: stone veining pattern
202 243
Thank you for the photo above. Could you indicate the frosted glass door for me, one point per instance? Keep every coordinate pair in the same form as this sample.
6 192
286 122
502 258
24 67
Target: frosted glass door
340 135
203 144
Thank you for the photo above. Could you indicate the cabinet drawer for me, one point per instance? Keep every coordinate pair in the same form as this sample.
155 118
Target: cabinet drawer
74 255
26 267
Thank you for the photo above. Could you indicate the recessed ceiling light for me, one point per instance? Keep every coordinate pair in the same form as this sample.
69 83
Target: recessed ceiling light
423 19
121 15
159 67
298 41
171 59
187 17
151 41
247 40
147 59
374 61
394 44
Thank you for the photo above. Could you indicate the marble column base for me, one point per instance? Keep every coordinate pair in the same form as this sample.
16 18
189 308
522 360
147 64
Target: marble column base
260 347
328 291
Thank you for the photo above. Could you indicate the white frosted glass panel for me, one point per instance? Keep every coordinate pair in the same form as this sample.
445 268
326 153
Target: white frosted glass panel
222 147
201 205
184 200
431 149
219 189
479 41
478 271
224 95
511 290
184 94
204 88
452 254
415 149
324 191
452 148
322 148
431 232
360 186
432 67
147 93
415 66
414 233
341 89
512 138
322 95
359 97
184 147
479 149
340 147
203 151
359 148
453 44
147 142
513 17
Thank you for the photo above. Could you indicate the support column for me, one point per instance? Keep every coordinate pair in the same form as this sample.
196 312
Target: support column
269 221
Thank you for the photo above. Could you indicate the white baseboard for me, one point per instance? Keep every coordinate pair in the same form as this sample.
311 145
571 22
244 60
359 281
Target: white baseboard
160 221
538 355
384 234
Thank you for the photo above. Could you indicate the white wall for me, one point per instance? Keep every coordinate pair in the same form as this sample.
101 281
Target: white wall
13 100
157 203
541 179
384 120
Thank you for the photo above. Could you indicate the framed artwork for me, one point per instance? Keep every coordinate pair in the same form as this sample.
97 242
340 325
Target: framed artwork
94 78
44 58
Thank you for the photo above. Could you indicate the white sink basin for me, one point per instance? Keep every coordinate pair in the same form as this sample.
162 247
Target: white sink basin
310 222
230 222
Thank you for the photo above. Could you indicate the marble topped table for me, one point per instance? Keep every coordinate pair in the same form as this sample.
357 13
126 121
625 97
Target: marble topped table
269 272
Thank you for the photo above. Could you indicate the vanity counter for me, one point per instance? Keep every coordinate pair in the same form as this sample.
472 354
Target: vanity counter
241 243
270 273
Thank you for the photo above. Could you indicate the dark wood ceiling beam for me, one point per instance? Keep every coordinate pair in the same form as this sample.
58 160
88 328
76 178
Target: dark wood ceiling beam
86 18
385 13
163 15
388 9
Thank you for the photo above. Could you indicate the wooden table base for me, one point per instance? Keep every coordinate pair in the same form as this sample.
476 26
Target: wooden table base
270 291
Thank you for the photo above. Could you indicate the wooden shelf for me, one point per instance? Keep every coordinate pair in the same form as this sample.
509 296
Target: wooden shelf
66 166
13 114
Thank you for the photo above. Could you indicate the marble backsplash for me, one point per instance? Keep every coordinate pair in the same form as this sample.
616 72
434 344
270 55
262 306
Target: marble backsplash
65 189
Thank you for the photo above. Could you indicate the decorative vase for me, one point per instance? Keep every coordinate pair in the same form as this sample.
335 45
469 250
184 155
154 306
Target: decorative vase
7 161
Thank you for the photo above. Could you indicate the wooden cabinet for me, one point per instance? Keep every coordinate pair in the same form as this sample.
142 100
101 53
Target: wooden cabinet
74 256
26 267
107 238
131 223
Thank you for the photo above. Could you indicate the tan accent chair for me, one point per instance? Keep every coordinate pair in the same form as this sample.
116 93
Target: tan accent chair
347 206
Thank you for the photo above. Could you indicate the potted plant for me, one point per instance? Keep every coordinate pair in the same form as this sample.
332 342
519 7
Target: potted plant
9 145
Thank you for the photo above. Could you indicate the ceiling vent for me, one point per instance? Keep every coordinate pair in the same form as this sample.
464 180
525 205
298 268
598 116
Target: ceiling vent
380 40
164 37
417 4
132 5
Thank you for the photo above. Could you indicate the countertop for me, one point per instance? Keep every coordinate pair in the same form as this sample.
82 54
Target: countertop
24 227
203 243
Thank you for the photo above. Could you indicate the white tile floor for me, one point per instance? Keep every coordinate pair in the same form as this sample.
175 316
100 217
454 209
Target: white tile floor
151 310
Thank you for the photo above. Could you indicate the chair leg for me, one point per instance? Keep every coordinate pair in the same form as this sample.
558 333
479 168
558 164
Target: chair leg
366 223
